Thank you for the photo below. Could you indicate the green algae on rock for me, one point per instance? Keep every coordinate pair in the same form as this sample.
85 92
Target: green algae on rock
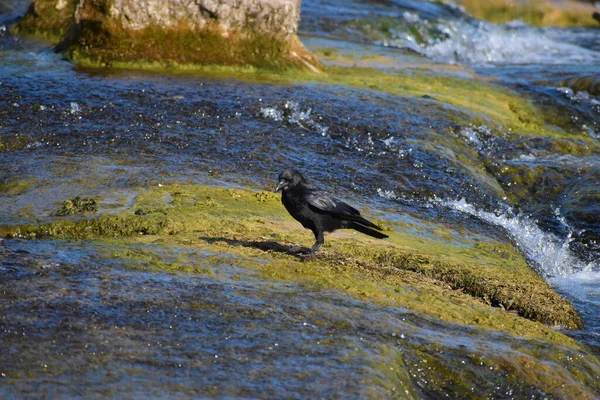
254 224
590 84
534 12
408 291
17 187
77 205
434 368
471 102
168 50
47 19
100 42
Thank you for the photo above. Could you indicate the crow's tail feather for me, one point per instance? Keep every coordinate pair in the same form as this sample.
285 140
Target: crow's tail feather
368 231
357 219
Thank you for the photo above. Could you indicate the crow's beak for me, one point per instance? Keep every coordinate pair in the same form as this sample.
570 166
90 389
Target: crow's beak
280 186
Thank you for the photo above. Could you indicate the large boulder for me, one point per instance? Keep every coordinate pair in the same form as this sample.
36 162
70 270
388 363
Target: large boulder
261 33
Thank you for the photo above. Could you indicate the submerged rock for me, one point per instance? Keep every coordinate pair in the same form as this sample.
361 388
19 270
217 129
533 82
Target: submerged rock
77 205
590 84
113 32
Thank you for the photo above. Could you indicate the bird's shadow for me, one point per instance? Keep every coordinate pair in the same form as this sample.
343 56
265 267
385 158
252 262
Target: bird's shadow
266 245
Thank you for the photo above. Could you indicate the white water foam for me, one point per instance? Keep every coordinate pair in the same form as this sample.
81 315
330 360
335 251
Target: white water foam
550 253
581 96
468 41
583 290
485 43
583 285
386 193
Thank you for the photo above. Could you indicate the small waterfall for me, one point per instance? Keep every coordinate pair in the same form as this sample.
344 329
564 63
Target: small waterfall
479 42
549 253
457 38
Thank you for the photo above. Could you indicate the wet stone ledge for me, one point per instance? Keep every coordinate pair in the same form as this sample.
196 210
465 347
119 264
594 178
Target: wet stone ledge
242 220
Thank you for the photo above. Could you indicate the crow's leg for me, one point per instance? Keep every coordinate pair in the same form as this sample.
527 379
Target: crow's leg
320 239
314 249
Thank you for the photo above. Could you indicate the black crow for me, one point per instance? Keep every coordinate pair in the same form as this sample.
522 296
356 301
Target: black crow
318 211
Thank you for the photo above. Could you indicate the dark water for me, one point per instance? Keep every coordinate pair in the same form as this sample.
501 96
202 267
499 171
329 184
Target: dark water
69 132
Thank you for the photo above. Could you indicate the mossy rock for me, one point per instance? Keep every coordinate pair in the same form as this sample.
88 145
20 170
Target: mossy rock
255 225
254 33
103 32
48 19
77 205
590 84
172 47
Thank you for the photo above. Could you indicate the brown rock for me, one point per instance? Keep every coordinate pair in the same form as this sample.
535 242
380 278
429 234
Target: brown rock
260 33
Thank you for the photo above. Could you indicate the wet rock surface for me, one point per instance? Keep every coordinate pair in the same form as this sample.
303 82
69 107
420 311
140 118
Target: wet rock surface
102 322
480 165
106 33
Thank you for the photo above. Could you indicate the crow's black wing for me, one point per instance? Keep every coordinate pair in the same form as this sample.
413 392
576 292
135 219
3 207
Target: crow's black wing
326 202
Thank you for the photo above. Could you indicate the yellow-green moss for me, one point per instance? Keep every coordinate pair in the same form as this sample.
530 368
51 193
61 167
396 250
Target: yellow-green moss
77 205
431 364
392 374
477 99
18 141
573 147
554 380
454 283
171 47
17 187
533 12
590 84
44 20
403 289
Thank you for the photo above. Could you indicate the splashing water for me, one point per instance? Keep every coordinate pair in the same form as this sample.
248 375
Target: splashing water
464 40
484 43
550 254
293 114
583 97
272 113
75 108
386 193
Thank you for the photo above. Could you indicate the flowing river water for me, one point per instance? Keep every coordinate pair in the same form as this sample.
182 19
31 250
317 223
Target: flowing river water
80 323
